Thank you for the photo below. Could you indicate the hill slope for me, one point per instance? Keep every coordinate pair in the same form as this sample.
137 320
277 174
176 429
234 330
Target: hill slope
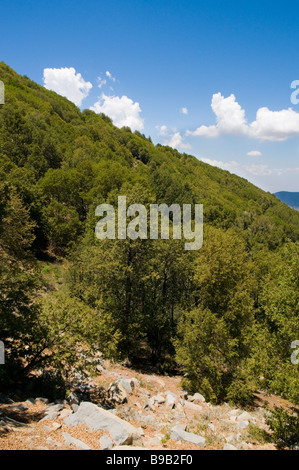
45 138
226 314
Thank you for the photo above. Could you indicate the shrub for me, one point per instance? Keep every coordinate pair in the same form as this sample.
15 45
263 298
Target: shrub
285 428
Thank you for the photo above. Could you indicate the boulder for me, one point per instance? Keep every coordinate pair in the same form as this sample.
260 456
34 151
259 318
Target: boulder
127 384
149 405
52 442
64 414
197 397
192 406
50 415
106 443
172 394
233 438
229 447
55 408
30 401
243 424
158 399
73 399
171 400
42 400
52 427
180 435
184 395
69 440
99 419
245 417
117 393
134 382
19 408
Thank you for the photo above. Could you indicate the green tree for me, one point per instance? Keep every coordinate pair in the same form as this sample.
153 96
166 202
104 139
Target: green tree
214 337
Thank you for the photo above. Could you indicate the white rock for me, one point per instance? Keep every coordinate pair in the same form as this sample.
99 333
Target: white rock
106 443
170 400
180 435
65 413
245 417
51 442
127 384
99 419
229 447
135 382
243 424
192 406
52 427
140 430
51 416
198 397
233 438
71 440
158 399
117 393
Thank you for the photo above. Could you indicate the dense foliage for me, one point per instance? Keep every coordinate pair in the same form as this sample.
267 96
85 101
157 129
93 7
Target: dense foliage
225 315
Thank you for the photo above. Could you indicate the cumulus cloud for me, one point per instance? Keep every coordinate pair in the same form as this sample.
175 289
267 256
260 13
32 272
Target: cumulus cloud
275 125
176 141
162 130
123 111
66 82
231 119
254 153
256 170
174 138
184 110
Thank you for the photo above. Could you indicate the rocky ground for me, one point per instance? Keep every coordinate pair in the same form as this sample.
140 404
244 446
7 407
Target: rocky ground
120 407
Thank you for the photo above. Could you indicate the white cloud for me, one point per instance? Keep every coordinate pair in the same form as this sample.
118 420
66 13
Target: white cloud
174 138
162 130
254 153
109 75
177 141
230 119
184 110
275 125
101 82
66 82
123 111
256 170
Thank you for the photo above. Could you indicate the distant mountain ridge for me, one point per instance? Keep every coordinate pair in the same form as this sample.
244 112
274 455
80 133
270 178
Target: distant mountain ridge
289 198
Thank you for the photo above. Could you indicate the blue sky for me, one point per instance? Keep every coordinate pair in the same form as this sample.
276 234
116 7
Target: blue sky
162 64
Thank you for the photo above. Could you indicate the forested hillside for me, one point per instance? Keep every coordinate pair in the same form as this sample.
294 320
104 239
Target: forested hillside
225 315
